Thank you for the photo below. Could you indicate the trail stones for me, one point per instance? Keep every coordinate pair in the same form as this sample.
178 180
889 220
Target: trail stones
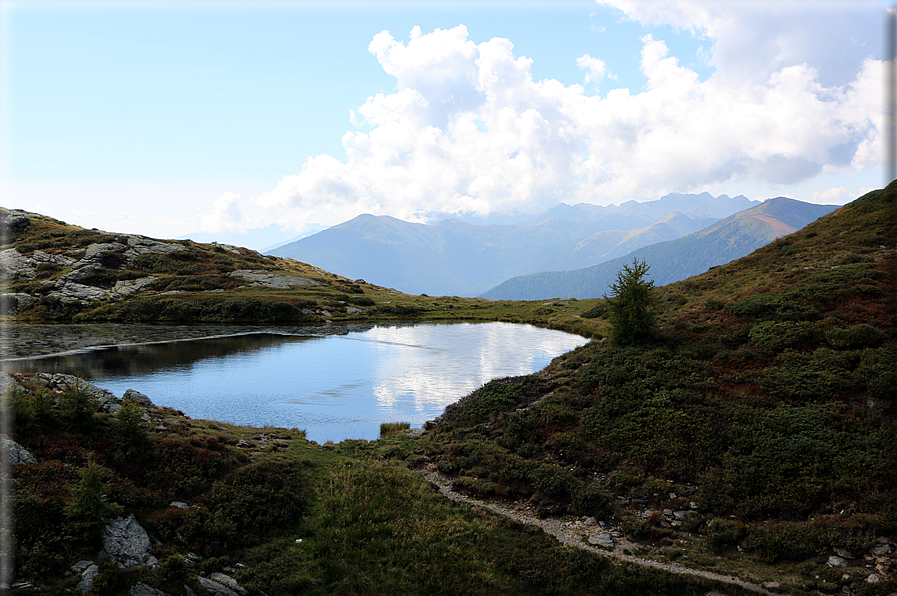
141 589
219 583
836 561
126 543
604 540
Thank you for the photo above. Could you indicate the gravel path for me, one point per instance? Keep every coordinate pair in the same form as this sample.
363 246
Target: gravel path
565 532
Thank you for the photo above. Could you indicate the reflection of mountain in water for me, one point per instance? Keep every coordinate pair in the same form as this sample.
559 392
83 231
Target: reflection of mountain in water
150 358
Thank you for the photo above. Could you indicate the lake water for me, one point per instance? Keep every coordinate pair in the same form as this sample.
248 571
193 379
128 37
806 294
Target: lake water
335 382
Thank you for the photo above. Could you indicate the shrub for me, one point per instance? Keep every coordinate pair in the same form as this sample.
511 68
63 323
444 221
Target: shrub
361 301
595 312
771 337
721 535
854 338
129 424
79 407
388 428
88 511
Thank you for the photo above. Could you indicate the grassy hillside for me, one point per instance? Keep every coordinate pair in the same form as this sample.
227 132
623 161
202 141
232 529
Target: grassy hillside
674 260
55 272
280 515
764 416
754 438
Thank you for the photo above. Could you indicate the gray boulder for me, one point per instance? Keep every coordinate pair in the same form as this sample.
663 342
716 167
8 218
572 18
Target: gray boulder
40 256
141 245
83 271
14 220
222 584
126 288
141 589
604 540
98 249
131 395
15 452
10 304
836 561
70 291
272 280
16 265
88 576
126 543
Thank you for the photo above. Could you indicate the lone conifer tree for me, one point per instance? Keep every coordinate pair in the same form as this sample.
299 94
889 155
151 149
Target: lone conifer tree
630 306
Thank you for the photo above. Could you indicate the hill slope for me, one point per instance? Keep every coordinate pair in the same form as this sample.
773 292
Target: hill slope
731 238
54 272
758 430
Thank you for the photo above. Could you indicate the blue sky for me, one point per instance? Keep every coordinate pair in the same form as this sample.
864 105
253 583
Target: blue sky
167 118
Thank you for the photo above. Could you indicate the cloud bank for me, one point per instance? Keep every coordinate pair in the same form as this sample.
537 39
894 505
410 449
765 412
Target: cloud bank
468 130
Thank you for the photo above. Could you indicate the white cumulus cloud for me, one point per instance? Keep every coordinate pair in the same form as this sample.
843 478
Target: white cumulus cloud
468 129
594 67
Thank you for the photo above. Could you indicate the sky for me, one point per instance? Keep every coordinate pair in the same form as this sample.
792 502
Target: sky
171 118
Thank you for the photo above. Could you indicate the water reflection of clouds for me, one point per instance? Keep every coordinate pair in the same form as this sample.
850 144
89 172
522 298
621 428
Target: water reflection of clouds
473 355
336 386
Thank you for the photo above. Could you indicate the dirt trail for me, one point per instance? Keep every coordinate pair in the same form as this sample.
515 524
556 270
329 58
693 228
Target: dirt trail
565 534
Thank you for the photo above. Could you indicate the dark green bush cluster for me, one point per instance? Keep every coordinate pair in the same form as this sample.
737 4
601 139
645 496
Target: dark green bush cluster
771 337
552 488
495 396
721 535
855 337
177 263
209 309
597 311
248 505
779 307
782 540
196 283
361 301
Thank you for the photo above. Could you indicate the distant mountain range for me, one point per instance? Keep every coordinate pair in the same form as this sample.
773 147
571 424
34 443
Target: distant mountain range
261 239
453 257
674 260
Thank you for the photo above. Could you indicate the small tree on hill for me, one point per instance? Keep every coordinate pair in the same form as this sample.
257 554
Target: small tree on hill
630 306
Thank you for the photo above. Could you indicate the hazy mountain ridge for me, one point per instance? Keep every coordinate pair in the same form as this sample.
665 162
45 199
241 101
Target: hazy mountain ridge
454 257
674 260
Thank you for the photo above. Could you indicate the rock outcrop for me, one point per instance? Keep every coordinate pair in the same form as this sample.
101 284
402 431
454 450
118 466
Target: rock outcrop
16 265
14 220
15 452
10 304
272 280
126 543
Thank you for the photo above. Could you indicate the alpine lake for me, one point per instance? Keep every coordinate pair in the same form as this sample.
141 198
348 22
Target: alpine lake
335 382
